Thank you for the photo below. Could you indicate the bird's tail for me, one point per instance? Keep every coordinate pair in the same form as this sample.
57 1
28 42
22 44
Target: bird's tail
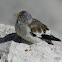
50 37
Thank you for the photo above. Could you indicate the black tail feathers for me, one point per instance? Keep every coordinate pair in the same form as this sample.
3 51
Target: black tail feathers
50 37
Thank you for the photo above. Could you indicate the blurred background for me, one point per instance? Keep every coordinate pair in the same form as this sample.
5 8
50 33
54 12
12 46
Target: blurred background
48 12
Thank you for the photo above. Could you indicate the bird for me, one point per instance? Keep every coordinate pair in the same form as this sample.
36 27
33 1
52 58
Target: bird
32 30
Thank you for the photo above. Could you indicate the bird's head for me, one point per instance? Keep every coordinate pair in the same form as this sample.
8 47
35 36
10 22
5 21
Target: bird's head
23 17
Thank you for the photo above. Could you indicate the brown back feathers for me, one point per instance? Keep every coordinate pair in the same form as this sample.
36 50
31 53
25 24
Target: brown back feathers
37 26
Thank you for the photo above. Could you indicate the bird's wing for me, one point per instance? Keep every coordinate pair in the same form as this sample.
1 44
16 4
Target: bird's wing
40 30
37 28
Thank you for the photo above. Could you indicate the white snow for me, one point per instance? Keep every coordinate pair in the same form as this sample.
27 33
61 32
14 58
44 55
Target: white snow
38 52
6 29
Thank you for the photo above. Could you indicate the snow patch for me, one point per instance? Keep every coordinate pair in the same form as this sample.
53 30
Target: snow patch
6 29
38 52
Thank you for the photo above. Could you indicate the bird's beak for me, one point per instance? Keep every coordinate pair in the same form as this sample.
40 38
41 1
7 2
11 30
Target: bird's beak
17 15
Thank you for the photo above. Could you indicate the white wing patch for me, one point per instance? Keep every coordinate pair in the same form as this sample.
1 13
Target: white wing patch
48 32
38 34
